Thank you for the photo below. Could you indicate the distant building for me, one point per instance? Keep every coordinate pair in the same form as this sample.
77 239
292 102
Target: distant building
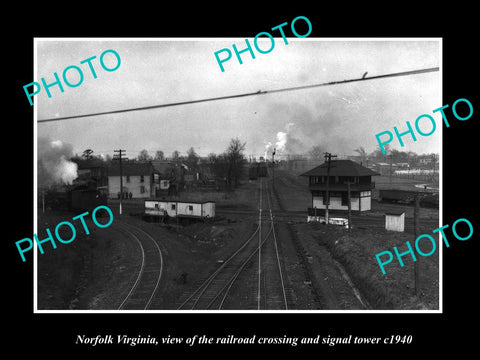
384 168
427 160
164 173
92 170
341 172
139 179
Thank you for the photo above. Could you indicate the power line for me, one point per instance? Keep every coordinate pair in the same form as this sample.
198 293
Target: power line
259 92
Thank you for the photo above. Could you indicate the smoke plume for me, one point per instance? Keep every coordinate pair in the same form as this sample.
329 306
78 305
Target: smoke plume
54 166
328 121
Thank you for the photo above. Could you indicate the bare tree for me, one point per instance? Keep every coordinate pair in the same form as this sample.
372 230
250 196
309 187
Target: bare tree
211 158
144 156
362 152
192 157
378 155
176 155
159 155
236 161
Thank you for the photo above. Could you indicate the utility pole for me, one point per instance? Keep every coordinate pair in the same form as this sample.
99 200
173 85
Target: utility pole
416 214
259 247
328 159
434 162
118 156
349 206
273 167
391 167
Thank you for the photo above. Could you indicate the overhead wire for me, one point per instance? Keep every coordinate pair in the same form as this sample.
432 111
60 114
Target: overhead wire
259 92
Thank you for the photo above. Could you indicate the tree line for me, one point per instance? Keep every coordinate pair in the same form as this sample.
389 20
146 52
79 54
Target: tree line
227 167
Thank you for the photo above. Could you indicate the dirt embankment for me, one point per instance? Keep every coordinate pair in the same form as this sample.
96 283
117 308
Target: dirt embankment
356 250
63 272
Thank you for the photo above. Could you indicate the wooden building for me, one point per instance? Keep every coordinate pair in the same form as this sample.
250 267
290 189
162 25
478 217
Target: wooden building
139 179
395 220
341 173
92 170
164 174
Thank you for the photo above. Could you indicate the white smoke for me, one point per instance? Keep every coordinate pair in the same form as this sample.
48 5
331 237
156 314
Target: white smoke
54 166
268 149
287 140
321 121
66 171
283 137
281 141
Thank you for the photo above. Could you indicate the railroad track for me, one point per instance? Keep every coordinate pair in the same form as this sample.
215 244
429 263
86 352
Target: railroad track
274 294
301 254
211 293
145 286
257 261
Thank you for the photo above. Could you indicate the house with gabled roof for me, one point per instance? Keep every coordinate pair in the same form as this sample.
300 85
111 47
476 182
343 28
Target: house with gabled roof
166 173
139 178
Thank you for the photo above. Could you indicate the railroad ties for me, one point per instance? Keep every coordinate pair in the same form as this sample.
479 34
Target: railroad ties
274 292
302 255
252 278
213 291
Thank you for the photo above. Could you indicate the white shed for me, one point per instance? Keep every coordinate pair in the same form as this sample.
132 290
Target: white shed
395 221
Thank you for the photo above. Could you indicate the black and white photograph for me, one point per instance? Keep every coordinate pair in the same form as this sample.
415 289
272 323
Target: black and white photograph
238 175
237 181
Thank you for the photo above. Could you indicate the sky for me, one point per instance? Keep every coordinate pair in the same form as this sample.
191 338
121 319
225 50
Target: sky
339 118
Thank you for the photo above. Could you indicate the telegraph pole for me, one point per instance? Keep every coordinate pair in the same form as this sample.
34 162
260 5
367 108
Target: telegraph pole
273 167
349 205
328 159
391 167
416 230
118 155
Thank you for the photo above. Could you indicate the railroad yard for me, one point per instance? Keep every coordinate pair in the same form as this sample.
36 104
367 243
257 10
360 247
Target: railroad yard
259 253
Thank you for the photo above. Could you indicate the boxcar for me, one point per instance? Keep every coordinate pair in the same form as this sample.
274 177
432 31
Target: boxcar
427 199
397 196
182 209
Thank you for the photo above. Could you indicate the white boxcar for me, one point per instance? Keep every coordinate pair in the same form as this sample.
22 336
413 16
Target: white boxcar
194 209
332 220
152 207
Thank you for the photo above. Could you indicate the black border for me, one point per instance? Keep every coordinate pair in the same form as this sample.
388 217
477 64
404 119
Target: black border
51 334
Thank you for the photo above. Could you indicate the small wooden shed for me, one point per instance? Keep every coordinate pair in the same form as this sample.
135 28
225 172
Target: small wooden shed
395 220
